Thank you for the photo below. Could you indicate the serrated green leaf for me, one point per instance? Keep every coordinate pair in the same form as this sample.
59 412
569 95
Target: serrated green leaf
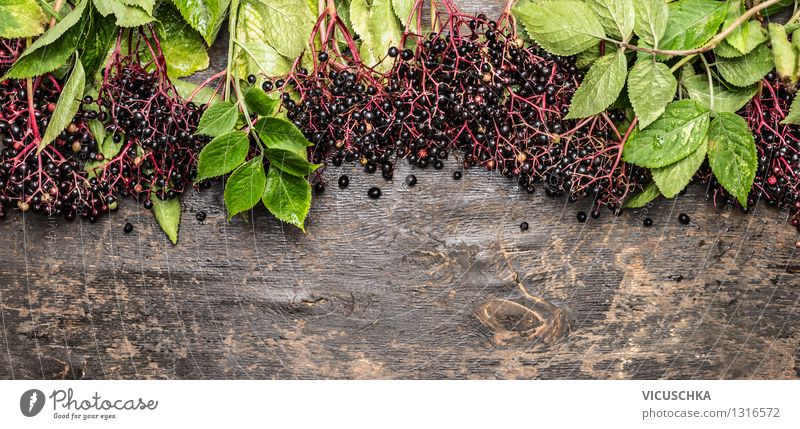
403 8
674 177
146 5
286 146
266 60
379 29
185 90
649 193
99 36
784 55
616 16
287 197
725 99
561 27
585 59
259 102
205 16
651 20
218 119
288 25
672 137
222 155
184 50
52 49
245 186
725 50
20 18
732 155
67 106
127 15
692 23
602 85
651 86
746 37
793 115
168 215
748 69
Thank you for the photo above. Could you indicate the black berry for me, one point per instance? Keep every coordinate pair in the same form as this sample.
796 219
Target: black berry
523 226
457 175
344 181
200 216
411 180
374 192
647 222
684 218
581 217
128 228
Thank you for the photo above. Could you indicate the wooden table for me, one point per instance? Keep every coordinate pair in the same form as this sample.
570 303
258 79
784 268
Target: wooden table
435 281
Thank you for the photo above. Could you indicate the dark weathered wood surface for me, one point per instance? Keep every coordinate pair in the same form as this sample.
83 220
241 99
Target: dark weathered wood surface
436 281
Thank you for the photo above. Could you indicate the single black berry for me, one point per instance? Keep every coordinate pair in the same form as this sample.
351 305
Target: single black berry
200 216
595 214
319 188
374 192
438 165
523 226
344 181
457 175
251 79
406 54
128 228
267 86
684 218
647 222
411 180
393 52
581 217
322 57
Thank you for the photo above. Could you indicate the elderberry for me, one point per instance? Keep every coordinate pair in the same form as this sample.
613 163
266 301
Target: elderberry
374 193
523 226
457 175
684 218
128 228
411 180
344 181
647 222
581 217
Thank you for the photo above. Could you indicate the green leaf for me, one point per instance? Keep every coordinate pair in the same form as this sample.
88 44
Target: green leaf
585 59
205 16
109 148
286 146
287 197
746 37
403 8
725 50
672 137
218 119
288 25
649 193
561 27
378 27
51 50
692 23
725 100
651 86
602 85
127 15
183 47
616 16
748 69
146 5
20 18
784 55
222 155
651 20
168 215
732 155
265 59
68 103
96 43
185 89
259 102
245 186
793 116
97 129
674 177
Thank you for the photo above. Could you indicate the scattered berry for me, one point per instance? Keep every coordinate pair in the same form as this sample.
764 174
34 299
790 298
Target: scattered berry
684 218
411 180
457 175
647 222
200 216
523 226
128 228
374 192
319 188
581 217
344 181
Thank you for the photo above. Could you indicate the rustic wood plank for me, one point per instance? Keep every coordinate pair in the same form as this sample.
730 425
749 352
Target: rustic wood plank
435 281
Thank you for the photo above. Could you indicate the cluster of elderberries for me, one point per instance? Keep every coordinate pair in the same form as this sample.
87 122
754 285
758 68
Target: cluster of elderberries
778 147
52 180
155 128
476 89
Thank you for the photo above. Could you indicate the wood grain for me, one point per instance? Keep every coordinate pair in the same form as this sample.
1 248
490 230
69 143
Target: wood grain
435 281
